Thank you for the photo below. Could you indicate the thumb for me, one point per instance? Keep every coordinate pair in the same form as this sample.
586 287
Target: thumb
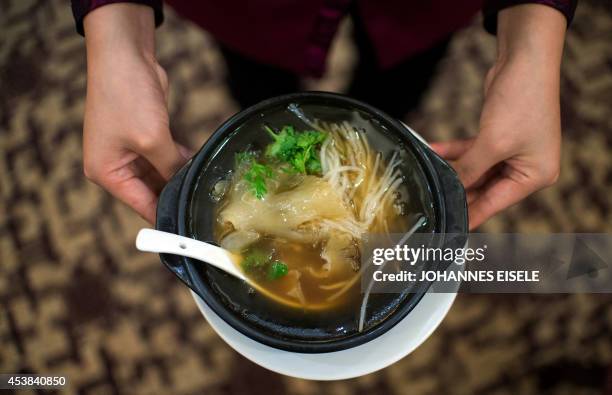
452 150
185 151
474 164
165 155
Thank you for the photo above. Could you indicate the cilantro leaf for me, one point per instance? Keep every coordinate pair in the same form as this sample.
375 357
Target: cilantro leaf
244 157
260 264
313 166
299 161
256 177
299 149
310 138
277 269
255 260
284 143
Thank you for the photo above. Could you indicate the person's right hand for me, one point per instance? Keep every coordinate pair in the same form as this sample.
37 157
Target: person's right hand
518 148
127 145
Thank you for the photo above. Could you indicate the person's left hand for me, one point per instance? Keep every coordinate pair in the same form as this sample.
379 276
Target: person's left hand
518 148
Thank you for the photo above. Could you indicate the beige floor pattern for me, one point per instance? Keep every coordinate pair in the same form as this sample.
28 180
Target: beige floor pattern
77 299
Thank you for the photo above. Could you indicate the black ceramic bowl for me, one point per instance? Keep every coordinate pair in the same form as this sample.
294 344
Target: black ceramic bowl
186 208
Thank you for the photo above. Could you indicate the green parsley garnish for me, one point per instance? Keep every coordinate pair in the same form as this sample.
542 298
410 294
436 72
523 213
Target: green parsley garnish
245 157
260 264
299 149
277 270
283 145
256 177
255 260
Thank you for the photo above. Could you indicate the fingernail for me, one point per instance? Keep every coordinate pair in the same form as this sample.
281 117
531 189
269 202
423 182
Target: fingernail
186 152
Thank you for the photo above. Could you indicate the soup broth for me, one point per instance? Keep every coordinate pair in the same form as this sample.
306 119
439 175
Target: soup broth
298 223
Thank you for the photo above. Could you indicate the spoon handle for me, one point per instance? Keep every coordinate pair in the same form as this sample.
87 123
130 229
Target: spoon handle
151 240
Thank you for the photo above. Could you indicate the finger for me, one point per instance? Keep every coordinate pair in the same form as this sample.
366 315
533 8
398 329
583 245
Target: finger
136 194
496 196
473 165
476 190
164 155
143 170
488 175
471 196
185 151
452 150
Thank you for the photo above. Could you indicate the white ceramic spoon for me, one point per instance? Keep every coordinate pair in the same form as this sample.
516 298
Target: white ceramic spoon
151 240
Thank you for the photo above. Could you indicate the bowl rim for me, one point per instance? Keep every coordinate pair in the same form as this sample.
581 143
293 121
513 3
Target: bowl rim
189 182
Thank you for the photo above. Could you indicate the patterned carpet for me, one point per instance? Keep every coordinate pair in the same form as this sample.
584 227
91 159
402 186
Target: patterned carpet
77 299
